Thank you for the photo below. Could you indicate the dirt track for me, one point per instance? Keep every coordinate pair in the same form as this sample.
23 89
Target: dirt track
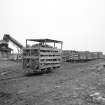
73 84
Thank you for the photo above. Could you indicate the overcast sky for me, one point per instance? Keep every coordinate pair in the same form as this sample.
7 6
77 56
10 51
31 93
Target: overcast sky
80 24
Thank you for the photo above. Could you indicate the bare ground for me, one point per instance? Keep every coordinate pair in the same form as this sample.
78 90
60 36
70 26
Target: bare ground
72 84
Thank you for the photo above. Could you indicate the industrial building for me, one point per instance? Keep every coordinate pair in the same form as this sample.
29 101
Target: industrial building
5 51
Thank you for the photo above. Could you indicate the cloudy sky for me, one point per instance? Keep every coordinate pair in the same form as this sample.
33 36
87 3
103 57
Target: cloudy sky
80 24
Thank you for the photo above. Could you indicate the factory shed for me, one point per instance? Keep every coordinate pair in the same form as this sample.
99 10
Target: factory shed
5 51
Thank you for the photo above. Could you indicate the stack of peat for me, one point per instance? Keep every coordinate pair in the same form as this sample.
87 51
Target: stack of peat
40 58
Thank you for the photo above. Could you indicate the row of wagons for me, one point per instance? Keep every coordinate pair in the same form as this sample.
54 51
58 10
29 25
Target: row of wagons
70 55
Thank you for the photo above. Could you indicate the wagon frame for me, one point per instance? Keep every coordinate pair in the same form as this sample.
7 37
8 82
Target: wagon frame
42 57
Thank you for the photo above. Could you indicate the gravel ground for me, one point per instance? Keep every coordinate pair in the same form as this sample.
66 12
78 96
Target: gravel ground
72 84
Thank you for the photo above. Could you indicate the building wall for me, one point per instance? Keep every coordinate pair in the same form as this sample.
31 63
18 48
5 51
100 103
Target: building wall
4 54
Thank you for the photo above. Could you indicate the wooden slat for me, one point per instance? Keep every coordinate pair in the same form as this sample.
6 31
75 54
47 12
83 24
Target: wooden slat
55 57
48 66
50 53
49 62
41 48
49 49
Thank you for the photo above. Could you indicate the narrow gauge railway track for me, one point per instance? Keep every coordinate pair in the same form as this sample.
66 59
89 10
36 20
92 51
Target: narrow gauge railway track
21 76
10 78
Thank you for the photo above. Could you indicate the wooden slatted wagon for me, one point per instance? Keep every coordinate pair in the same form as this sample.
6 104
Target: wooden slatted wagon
42 57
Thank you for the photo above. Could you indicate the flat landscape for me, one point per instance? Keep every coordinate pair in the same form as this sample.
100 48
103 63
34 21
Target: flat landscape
72 84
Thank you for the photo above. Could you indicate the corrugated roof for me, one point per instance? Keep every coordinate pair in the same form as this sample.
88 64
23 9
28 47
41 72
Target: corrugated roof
44 40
